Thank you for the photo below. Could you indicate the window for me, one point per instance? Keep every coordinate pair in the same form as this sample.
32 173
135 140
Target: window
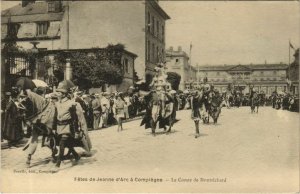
42 29
157 28
162 33
148 50
261 73
153 25
126 65
152 53
177 60
51 7
157 54
274 72
218 73
149 23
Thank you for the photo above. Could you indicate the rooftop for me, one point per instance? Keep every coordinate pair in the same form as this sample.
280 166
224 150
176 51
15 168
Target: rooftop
249 66
37 11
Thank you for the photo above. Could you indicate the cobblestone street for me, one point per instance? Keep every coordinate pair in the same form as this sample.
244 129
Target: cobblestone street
257 152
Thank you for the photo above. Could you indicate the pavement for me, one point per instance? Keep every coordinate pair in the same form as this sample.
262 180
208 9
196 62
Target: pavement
244 152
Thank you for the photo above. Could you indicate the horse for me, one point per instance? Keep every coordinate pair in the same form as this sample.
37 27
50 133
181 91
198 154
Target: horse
216 106
43 122
155 114
254 102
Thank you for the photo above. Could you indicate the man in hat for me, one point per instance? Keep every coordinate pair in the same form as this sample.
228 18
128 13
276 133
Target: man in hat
68 122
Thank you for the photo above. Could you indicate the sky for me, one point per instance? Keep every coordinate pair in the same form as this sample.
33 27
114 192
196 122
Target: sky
233 32
223 32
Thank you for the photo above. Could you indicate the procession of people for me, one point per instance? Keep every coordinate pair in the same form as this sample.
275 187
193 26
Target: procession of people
64 117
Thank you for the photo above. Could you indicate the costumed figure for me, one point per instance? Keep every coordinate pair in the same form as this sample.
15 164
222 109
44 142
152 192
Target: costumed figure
196 103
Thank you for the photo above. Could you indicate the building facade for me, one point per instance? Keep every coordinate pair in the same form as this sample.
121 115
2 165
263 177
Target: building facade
265 78
293 74
178 61
139 25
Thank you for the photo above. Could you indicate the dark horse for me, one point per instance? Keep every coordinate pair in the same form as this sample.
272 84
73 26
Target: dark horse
254 102
155 113
43 122
213 105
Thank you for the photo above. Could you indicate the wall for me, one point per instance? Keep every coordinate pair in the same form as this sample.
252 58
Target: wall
49 44
99 23
154 38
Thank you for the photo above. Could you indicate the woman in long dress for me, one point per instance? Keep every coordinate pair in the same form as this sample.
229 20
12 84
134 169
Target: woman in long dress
12 126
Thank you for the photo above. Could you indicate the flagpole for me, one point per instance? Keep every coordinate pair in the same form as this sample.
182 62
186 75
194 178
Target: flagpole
289 87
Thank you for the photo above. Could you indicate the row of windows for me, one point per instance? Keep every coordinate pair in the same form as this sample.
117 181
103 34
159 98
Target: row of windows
154 53
155 28
255 79
41 28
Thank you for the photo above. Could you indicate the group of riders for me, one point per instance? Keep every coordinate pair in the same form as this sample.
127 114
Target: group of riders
62 121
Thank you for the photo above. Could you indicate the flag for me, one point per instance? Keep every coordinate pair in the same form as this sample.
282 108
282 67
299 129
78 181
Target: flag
291 45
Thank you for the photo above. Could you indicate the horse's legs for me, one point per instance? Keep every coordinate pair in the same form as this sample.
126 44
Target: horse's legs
153 127
28 160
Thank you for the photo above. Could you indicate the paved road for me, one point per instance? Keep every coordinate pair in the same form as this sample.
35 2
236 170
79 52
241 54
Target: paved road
252 152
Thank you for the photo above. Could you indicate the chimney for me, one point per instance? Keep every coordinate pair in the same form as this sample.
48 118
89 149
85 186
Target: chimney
171 48
27 2
179 48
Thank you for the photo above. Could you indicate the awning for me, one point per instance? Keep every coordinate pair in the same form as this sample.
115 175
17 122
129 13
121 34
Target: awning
3 31
54 29
27 30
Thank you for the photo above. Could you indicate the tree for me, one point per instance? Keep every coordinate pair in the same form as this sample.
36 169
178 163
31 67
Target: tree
174 79
96 68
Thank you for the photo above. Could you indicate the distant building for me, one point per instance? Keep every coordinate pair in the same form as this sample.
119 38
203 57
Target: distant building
293 74
139 25
178 62
265 78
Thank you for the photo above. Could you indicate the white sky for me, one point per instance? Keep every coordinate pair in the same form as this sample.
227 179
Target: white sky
231 32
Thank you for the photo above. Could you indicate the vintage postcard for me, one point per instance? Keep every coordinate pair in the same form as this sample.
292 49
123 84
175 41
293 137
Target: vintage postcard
149 96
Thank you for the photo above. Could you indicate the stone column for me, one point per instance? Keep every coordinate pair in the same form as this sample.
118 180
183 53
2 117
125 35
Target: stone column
68 71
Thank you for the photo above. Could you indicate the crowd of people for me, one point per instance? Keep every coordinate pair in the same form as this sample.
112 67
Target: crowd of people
77 112
285 101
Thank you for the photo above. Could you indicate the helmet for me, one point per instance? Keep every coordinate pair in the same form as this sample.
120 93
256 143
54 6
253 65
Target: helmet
65 86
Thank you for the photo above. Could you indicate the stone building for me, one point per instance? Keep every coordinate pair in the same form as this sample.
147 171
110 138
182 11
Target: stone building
293 74
265 78
139 25
60 25
178 61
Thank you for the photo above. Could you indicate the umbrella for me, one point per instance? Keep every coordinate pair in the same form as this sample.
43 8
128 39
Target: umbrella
186 91
140 82
25 83
40 83
67 83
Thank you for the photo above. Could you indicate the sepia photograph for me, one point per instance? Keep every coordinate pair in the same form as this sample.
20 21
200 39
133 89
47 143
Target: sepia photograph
150 96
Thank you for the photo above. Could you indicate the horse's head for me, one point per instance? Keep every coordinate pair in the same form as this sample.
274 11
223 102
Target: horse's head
42 111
